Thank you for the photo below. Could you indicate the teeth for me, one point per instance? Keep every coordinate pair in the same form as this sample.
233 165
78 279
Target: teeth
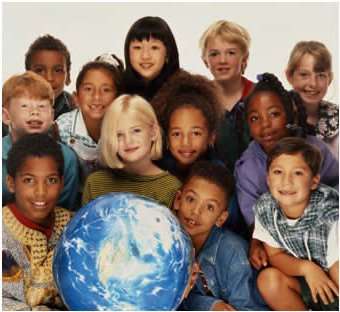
39 203
192 222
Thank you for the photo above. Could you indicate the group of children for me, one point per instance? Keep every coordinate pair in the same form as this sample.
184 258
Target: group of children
250 169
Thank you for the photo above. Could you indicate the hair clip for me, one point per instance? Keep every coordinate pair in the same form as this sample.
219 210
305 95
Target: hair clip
294 129
259 77
108 58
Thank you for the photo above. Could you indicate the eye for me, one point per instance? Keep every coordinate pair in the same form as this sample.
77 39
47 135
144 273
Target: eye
52 180
322 76
275 114
119 135
196 133
137 130
38 70
232 52
213 54
304 74
210 207
277 171
155 47
107 90
28 180
59 70
253 118
190 199
175 133
24 105
298 173
87 88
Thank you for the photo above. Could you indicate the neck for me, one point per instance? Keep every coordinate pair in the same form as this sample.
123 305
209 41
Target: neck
146 167
198 242
312 113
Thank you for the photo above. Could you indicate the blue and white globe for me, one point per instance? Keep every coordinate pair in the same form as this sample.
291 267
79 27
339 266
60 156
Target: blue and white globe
123 252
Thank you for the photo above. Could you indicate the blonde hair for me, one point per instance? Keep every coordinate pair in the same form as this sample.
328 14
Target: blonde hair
323 58
28 84
108 146
229 31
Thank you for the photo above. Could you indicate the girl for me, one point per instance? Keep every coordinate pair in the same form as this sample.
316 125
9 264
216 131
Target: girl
98 84
189 109
151 56
225 51
130 141
270 114
309 71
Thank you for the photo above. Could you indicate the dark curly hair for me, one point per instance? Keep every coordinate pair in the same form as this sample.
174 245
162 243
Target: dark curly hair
34 145
291 101
47 42
188 89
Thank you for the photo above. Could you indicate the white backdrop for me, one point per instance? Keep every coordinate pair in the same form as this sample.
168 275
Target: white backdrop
89 29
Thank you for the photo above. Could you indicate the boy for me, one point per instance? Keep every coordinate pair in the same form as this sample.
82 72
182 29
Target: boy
298 223
225 51
226 280
32 224
27 107
49 57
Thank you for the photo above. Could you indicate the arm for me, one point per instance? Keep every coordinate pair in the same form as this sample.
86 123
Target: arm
334 273
316 278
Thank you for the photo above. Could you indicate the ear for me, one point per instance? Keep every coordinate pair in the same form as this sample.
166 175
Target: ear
315 182
75 98
212 138
177 200
10 183
222 218
6 117
205 62
330 78
154 132
68 79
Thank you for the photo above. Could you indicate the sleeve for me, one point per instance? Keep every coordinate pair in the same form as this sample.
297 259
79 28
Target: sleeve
69 192
333 245
247 193
263 235
330 165
196 301
239 289
86 197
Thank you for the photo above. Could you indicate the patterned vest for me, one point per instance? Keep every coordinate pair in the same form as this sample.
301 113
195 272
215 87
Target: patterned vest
307 239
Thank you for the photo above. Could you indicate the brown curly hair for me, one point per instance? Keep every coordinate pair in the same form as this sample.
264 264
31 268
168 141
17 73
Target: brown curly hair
184 88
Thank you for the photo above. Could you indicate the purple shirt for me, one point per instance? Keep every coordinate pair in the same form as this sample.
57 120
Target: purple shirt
251 174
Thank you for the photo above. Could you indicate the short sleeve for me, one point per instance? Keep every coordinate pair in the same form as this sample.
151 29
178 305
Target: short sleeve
333 245
263 235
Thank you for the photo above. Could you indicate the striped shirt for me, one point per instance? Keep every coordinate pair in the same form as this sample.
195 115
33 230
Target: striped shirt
161 187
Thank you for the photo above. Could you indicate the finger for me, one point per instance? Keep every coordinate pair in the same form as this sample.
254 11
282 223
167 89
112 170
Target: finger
254 264
329 293
264 258
314 296
334 287
322 295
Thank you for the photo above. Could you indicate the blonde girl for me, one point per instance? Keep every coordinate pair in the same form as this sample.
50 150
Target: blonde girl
309 71
130 141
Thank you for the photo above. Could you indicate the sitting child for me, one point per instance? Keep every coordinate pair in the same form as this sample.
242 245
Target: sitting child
226 279
49 57
298 223
32 224
27 107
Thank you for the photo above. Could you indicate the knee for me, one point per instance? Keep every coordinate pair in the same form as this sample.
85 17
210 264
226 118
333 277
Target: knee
270 281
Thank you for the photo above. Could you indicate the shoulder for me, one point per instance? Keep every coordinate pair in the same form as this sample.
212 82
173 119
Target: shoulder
264 204
6 145
100 175
251 156
68 153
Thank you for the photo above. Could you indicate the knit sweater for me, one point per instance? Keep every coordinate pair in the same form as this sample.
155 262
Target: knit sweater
28 280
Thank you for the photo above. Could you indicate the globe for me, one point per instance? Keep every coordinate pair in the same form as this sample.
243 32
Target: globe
123 252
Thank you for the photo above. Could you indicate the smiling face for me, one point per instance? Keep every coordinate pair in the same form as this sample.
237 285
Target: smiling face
290 181
135 138
200 205
27 115
95 94
188 134
311 85
52 66
37 186
224 59
147 57
266 119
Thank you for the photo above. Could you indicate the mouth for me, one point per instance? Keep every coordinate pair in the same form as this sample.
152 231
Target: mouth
311 92
287 193
131 149
146 65
223 69
191 223
35 123
187 154
267 136
40 205
97 108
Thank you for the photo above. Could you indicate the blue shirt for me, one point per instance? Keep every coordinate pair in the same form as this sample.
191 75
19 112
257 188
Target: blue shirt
228 273
67 198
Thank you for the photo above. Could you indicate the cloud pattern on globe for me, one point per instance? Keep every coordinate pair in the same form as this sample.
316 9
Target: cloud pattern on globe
123 252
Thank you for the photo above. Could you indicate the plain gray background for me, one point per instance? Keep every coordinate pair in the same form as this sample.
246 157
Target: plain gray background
90 29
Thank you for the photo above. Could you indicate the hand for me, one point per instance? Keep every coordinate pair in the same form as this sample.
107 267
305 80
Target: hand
257 254
222 306
319 282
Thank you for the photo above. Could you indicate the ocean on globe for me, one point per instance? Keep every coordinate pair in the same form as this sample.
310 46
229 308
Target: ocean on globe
123 252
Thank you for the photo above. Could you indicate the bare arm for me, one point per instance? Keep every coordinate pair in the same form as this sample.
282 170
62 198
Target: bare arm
334 273
316 278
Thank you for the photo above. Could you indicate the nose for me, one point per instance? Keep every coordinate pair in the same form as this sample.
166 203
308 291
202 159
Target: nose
96 94
40 189
128 139
222 58
145 53
196 209
33 110
265 122
49 75
186 140
312 80
287 179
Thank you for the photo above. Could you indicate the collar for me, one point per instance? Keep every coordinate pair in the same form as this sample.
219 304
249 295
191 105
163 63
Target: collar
79 127
248 86
28 223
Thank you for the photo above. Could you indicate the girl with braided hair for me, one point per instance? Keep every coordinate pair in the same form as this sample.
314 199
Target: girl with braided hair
272 113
